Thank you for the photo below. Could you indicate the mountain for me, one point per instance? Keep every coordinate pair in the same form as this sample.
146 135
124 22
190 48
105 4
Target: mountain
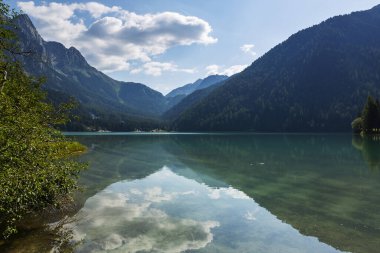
316 81
68 73
188 95
197 85
188 101
142 97
184 90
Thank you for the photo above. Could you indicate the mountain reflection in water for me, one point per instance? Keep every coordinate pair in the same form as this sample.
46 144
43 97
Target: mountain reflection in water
165 212
222 193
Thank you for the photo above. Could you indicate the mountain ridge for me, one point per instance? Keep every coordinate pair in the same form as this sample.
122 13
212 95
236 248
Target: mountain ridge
197 85
315 81
68 74
189 101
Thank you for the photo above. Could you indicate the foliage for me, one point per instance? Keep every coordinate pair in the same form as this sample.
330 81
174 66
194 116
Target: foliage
357 125
371 116
36 169
369 120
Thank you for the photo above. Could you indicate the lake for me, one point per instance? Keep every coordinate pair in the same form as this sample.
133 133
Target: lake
220 193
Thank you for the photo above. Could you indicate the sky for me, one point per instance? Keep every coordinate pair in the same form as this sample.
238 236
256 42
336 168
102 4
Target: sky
165 44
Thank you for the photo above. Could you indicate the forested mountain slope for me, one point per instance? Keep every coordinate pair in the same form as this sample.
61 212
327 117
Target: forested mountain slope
317 80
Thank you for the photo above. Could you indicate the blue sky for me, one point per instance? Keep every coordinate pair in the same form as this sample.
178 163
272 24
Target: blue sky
168 43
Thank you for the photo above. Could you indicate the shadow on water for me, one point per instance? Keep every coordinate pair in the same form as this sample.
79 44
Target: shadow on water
370 149
319 184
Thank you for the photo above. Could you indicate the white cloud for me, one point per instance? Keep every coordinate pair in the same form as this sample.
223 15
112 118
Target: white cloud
219 70
109 64
234 69
213 69
115 36
156 68
248 49
97 9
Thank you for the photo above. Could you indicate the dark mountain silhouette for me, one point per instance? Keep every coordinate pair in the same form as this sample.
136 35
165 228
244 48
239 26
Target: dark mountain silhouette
315 81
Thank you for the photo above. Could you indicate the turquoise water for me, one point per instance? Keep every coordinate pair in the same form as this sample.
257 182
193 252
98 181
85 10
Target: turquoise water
222 193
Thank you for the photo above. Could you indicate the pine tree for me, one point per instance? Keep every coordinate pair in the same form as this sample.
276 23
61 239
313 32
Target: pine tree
371 116
369 120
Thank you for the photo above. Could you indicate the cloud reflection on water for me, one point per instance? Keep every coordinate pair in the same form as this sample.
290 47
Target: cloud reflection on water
125 218
166 212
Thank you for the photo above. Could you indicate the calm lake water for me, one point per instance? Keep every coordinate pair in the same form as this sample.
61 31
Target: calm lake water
220 193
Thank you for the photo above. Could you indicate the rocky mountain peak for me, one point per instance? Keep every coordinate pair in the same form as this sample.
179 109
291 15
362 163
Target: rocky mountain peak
25 26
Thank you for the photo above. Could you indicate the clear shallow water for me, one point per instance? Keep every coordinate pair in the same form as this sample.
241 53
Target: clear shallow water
223 193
